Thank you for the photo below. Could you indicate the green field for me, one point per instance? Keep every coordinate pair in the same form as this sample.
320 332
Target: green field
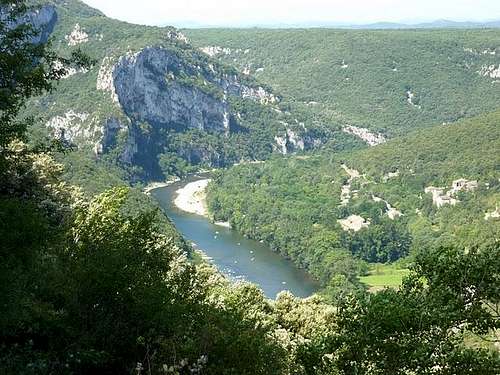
384 276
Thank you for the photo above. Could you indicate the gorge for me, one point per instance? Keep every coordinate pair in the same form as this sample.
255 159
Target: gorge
237 257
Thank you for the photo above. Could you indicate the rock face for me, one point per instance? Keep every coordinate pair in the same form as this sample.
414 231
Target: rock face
109 131
392 212
213 51
161 93
105 81
77 36
440 198
463 184
43 20
345 193
164 91
412 99
148 91
70 127
79 129
370 138
354 223
69 70
492 71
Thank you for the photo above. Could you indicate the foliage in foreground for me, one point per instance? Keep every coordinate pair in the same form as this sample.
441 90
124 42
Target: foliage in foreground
110 293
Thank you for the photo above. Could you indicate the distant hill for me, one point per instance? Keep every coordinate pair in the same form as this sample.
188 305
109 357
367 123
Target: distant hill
437 24
388 81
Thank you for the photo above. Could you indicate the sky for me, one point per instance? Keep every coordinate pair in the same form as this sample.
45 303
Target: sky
184 13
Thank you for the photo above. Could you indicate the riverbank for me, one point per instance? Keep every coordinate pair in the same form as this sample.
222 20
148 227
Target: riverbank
235 256
156 185
192 197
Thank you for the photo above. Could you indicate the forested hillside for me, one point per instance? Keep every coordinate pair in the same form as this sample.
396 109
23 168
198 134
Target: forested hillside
387 81
328 211
156 106
94 279
159 104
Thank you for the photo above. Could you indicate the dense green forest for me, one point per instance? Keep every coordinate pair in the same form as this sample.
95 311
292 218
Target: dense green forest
94 279
363 77
295 204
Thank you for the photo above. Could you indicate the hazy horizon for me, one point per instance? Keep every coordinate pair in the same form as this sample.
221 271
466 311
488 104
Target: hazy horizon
312 13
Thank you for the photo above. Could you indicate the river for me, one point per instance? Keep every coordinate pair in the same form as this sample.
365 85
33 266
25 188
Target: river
234 255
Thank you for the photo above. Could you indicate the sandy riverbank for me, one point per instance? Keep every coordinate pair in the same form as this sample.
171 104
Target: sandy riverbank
192 198
156 185
224 224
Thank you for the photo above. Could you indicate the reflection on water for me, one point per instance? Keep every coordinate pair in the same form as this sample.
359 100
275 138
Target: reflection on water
234 255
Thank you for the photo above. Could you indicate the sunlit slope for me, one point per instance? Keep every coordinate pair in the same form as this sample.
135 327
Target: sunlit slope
392 81
374 204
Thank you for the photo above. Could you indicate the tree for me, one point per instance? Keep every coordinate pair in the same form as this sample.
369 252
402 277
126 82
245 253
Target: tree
173 166
386 241
131 291
420 328
28 66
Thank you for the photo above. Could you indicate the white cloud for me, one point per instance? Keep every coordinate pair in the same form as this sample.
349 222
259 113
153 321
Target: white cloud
245 12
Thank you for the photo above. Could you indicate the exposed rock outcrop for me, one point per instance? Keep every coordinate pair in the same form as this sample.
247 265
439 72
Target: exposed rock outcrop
77 36
109 131
71 127
291 141
492 71
440 198
392 212
149 91
177 36
259 94
487 51
163 91
345 193
105 81
354 223
281 143
411 98
70 71
42 19
213 51
463 184
370 138
81 129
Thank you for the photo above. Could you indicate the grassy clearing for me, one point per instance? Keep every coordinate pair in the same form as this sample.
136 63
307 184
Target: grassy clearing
384 276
